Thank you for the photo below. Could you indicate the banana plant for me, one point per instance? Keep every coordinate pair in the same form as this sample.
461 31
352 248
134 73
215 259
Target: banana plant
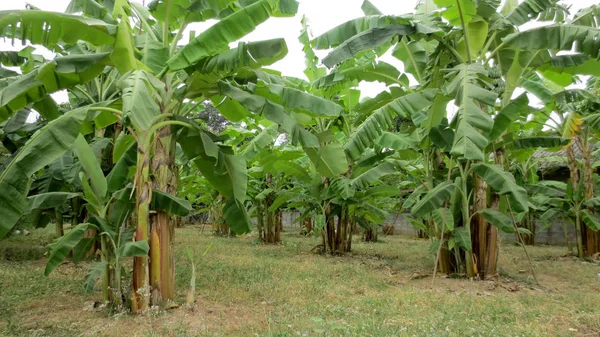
152 66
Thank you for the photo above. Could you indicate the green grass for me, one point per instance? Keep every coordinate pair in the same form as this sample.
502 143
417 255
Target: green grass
382 289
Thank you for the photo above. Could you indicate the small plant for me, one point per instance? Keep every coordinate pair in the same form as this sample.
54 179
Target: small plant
191 297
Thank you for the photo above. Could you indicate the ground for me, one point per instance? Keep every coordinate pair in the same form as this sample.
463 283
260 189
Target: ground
249 289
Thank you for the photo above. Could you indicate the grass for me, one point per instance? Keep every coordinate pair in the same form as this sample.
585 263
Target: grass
382 289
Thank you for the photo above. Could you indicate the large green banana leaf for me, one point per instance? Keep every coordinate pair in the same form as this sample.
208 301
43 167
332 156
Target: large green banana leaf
225 171
380 72
381 120
271 111
413 55
433 199
557 37
510 113
49 200
139 91
349 29
329 160
217 38
529 9
61 73
366 40
540 141
43 148
498 220
364 178
236 216
50 28
470 96
503 183
252 54
299 101
91 166
458 12
265 138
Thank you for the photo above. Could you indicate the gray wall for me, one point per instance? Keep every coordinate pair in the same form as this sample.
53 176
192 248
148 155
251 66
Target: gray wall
554 235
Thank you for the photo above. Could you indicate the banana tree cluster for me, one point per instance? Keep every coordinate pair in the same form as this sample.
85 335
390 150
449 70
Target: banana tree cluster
129 66
472 56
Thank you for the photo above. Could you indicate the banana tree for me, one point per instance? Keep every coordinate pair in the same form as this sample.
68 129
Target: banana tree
152 98
471 56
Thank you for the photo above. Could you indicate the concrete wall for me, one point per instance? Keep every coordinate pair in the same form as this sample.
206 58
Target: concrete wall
554 235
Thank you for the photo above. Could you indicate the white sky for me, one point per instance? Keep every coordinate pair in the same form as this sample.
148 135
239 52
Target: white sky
322 15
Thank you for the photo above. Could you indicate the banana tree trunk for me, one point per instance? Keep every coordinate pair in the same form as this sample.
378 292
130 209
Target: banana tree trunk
370 234
574 178
141 282
591 237
58 223
260 219
162 271
307 228
273 227
483 235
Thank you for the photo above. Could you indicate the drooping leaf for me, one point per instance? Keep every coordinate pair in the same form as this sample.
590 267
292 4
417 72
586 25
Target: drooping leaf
540 141
545 190
382 119
413 55
271 111
380 71
43 148
364 179
397 141
382 191
503 183
461 238
226 172
59 249
123 142
93 275
301 101
50 28
236 216
232 28
265 138
118 175
366 40
349 29
170 203
528 10
49 200
252 54
557 37
433 199
590 220
443 217
510 113
498 220
134 248
61 73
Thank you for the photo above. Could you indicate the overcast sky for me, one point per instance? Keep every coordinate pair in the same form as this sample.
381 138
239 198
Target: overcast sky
322 15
